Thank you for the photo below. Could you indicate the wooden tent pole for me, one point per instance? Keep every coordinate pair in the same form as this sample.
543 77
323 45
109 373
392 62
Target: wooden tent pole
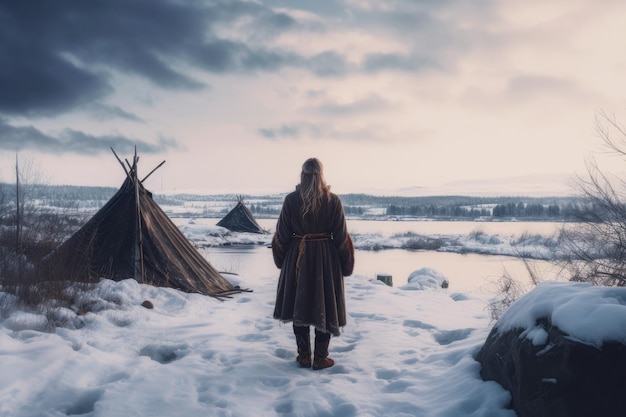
132 175
150 173
121 163
139 248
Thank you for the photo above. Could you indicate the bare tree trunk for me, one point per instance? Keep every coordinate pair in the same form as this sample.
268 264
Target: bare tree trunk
18 220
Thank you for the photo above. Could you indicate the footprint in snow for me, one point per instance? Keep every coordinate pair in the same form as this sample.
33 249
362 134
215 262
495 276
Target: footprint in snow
284 353
344 348
396 387
387 374
263 326
253 337
84 402
370 316
449 336
163 354
416 324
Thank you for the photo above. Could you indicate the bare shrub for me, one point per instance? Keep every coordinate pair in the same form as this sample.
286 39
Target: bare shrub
508 291
27 234
481 237
595 251
423 243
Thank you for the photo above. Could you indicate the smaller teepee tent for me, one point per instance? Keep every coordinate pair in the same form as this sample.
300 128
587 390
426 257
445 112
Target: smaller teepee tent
131 237
240 219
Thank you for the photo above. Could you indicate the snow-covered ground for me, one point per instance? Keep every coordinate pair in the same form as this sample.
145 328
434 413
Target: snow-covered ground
404 352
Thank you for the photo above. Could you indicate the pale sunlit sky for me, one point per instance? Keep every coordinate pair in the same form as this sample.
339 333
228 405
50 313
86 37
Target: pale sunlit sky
235 95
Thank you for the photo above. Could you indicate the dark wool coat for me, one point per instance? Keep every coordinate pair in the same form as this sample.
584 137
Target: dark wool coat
315 295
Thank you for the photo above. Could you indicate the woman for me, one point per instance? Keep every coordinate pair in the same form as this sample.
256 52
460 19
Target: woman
314 252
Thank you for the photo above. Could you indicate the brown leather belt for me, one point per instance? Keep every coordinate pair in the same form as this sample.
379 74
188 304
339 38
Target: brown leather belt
309 237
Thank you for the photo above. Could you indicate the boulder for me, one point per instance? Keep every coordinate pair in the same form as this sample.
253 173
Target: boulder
551 373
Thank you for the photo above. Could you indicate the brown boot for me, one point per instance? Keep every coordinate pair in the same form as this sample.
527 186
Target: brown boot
303 340
304 359
322 363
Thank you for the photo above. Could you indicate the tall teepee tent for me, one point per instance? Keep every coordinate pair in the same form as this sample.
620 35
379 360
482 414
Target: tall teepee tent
131 237
240 219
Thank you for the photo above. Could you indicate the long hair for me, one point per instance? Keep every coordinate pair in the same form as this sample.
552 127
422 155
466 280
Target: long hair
312 187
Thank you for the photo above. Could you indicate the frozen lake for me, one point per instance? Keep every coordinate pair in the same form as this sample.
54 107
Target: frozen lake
465 272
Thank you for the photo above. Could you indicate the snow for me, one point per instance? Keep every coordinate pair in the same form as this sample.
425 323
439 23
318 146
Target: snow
402 353
586 313
424 278
405 351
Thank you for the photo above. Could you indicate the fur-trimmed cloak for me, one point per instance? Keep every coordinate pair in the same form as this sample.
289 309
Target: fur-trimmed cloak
315 295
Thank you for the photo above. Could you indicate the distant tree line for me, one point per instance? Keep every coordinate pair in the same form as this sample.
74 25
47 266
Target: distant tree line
63 196
384 201
265 209
527 210
273 209
566 210
164 200
63 192
449 211
444 207
354 210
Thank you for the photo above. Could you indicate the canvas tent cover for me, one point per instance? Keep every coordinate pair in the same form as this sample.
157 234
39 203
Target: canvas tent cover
131 237
240 219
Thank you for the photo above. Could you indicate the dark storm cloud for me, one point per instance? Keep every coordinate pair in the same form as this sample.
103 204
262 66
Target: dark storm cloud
65 55
58 55
73 141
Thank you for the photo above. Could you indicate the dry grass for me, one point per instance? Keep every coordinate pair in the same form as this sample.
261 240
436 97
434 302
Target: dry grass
21 256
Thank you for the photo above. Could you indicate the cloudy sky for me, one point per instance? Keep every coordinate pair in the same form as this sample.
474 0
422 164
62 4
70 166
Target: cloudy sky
235 95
